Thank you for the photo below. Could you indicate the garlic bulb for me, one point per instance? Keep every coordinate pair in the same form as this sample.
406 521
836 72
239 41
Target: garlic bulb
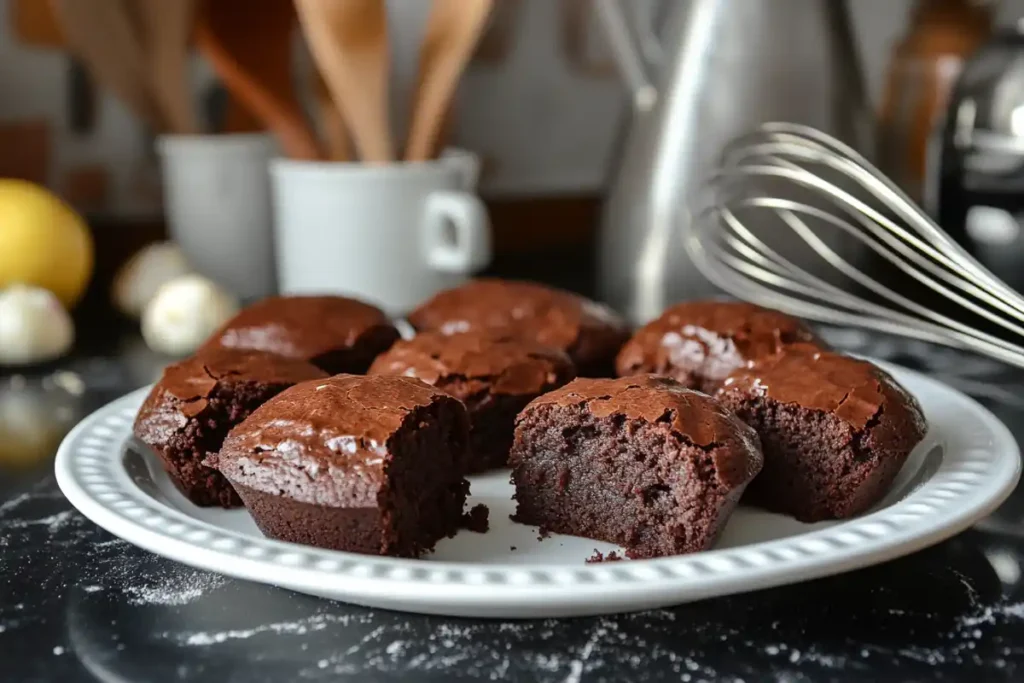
34 327
139 279
184 313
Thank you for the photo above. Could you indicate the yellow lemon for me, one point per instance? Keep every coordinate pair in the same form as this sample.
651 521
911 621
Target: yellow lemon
43 241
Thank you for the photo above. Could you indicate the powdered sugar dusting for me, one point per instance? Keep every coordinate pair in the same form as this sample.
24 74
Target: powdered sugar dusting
182 588
42 524
53 523
700 647
317 622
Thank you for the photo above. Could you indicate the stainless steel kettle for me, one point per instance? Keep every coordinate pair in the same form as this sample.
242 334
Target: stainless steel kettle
717 69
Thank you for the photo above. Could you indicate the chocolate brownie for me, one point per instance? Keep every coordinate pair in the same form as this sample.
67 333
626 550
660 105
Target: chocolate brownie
641 461
197 401
363 464
589 332
699 343
835 431
332 332
494 378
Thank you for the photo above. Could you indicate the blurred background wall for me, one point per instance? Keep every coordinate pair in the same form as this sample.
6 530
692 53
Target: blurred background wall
541 102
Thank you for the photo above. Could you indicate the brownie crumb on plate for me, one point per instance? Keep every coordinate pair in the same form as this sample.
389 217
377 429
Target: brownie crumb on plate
495 378
641 462
477 519
598 556
196 403
364 464
835 431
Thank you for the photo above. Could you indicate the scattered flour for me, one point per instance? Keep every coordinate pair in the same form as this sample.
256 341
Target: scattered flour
53 523
489 651
991 615
316 622
45 489
14 502
179 588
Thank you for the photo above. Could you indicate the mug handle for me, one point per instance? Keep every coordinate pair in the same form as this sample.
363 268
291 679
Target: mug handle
463 216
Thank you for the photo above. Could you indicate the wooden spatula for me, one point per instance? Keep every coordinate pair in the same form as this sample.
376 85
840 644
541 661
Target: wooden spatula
453 30
249 45
349 43
166 30
102 34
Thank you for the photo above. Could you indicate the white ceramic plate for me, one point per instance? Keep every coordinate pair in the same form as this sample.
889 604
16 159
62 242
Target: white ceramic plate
968 464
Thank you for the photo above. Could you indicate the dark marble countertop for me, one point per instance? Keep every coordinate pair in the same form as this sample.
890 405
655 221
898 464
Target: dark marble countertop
77 604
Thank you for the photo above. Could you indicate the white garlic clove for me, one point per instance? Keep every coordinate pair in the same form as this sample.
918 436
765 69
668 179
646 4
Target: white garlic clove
144 273
34 327
184 313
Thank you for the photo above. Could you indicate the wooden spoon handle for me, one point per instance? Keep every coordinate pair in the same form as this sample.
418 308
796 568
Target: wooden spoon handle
332 124
348 41
167 27
296 139
453 30
101 33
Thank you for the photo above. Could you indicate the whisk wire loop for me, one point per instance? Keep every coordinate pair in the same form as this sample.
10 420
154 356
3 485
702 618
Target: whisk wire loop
786 182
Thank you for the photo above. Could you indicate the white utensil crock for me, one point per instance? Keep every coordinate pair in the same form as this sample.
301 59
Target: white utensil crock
217 201
391 235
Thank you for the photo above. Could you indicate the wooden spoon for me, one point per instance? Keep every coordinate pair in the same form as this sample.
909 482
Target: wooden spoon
249 45
349 43
102 34
453 30
332 125
167 30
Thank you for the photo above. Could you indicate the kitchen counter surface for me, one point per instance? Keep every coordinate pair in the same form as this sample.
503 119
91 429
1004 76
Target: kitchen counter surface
77 604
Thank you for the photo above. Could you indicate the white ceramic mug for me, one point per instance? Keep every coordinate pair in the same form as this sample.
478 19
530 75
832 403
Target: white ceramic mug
217 202
392 235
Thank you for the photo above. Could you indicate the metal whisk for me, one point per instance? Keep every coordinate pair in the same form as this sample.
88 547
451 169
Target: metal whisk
787 179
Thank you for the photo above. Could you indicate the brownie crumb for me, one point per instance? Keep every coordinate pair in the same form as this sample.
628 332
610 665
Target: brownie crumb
477 519
598 556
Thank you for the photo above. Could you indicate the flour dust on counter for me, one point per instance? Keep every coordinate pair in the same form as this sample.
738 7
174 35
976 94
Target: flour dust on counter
810 636
632 646
115 566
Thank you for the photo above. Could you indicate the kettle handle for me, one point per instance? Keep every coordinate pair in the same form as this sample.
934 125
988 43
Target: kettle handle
633 49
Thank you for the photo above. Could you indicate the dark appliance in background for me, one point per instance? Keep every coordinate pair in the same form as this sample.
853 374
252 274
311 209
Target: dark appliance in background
923 66
975 184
